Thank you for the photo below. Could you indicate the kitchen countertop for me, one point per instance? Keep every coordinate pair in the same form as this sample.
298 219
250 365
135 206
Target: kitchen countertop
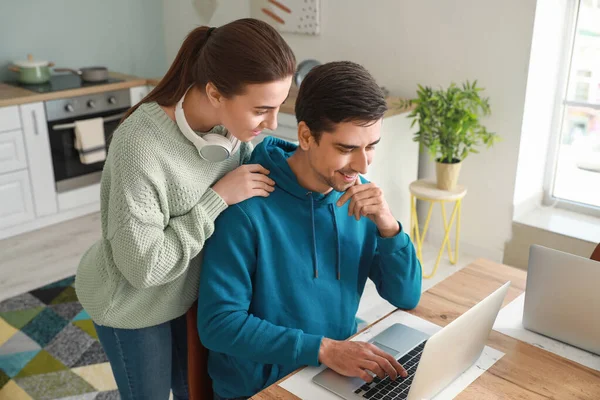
13 95
153 81
290 103
392 102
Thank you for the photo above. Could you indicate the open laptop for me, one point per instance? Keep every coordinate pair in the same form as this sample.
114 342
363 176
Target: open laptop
562 297
431 362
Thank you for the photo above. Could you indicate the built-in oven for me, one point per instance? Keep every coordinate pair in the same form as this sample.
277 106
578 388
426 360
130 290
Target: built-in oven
69 172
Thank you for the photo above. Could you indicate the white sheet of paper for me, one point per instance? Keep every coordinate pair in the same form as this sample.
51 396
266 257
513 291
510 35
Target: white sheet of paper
372 306
510 323
302 386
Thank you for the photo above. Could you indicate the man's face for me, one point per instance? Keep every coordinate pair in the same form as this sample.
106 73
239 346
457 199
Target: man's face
342 154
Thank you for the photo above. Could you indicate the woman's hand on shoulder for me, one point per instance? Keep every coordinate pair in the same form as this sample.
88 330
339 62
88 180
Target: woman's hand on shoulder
243 183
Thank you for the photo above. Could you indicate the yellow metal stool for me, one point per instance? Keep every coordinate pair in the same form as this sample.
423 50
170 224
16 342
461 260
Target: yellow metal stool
426 190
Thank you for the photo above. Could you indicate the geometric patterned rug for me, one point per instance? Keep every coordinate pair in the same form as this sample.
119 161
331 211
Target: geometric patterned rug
49 348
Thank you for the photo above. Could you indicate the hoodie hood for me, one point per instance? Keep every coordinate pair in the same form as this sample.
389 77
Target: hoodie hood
273 153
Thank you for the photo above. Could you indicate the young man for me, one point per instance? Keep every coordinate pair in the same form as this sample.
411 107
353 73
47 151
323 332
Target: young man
283 290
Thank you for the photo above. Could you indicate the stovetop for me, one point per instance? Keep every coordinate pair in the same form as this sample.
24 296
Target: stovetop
61 82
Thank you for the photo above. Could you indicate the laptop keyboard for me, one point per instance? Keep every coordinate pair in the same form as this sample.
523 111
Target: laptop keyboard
386 389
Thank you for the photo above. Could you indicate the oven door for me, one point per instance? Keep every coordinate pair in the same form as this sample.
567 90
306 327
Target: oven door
69 172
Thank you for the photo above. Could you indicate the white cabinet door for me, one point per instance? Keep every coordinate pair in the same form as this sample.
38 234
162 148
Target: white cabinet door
138 93
15 199
37 146
9 118
12 151
286 130
396 164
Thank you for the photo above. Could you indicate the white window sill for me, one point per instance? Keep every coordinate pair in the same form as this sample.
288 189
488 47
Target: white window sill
563 222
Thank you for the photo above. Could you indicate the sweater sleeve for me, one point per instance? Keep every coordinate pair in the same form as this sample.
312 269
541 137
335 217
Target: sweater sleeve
149 245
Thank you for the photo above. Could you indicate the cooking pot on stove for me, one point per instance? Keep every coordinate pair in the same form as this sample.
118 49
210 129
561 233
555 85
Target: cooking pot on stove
32 71
88 74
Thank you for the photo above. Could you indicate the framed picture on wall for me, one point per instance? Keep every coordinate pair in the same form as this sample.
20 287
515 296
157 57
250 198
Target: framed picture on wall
291 16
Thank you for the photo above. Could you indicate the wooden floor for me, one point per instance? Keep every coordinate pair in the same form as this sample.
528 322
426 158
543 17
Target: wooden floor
34 259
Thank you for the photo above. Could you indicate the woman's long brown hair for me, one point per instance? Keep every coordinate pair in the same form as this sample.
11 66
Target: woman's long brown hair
236 54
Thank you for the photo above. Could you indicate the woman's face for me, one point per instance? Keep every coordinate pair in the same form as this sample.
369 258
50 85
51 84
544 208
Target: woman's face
247 114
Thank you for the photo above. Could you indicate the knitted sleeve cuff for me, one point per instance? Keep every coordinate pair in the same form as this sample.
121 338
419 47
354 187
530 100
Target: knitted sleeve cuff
212 204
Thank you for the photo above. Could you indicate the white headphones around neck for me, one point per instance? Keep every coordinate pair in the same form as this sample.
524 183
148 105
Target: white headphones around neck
211 146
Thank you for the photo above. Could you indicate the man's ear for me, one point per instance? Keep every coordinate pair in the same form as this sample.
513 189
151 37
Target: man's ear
305 137
214 96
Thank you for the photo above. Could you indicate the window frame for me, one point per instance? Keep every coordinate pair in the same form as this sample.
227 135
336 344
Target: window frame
560 107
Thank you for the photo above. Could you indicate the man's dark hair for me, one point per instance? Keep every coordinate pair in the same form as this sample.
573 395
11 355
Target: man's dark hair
340 91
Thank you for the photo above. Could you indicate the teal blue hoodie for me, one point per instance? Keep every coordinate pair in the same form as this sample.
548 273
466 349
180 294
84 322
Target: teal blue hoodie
282 272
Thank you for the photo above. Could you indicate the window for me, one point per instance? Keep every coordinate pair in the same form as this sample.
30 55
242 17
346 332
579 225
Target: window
573 176
582 90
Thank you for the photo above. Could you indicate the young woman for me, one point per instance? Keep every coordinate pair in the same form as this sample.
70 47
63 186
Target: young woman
175 163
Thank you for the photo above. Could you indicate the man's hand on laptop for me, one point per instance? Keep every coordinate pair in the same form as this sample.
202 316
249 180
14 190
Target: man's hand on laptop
354 359
368 201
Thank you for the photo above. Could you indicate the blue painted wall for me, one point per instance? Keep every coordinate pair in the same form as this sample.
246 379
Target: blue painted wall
125 35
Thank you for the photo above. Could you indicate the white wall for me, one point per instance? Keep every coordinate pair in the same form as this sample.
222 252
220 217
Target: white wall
180 17
547 59
430 42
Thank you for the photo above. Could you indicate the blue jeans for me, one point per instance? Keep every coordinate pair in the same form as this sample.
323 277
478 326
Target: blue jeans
147 363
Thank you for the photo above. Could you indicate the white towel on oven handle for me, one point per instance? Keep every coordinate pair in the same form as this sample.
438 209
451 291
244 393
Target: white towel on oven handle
89 140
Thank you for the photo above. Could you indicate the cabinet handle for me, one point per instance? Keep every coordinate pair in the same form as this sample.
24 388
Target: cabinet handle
35 123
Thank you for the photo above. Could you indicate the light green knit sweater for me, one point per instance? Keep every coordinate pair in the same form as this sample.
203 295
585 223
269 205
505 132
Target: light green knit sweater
157 210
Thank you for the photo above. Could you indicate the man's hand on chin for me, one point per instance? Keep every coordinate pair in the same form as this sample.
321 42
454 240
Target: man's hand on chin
368 201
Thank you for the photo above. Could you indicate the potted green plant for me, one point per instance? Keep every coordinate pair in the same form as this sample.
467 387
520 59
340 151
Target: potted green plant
449 126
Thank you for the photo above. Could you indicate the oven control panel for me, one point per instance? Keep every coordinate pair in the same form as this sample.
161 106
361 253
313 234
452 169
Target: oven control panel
87 105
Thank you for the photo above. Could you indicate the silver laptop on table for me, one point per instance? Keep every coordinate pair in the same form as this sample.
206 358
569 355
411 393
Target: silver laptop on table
562 297
431 362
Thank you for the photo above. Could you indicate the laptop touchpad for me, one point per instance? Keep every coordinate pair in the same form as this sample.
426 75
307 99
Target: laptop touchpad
398 339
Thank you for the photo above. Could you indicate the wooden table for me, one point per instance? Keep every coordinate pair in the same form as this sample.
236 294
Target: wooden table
525 372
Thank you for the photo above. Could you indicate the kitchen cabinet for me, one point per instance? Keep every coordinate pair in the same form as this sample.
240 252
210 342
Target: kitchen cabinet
12 151
139 92
16 204
37 147
396 164
286 130
28 195
9 118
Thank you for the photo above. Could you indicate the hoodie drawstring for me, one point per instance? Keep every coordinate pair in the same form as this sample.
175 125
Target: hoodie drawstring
338 268
314 238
